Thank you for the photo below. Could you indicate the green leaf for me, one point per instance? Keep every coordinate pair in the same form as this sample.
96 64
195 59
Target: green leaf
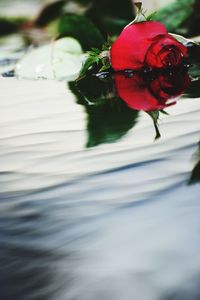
151 16
155 116
175 15
194 89
90 61
108 117
92 89
164 112
106 46
82 29
98 59
111 16
11 25
49 13
112 9
109 122
104 68
195 175
83 2
59 60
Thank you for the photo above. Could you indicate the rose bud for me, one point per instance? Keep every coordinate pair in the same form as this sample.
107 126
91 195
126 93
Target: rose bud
151 93
146 45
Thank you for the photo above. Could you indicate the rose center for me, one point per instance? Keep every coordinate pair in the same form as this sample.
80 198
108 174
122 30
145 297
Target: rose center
170 56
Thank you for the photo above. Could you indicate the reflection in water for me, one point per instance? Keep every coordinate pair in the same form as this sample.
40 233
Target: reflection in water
195 175
194 90
150 92
109 118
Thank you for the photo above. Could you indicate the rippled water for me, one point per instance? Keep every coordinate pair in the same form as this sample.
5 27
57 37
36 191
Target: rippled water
114 221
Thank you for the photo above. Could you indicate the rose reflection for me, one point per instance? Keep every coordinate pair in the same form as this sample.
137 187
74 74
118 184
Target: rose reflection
108 117
153 91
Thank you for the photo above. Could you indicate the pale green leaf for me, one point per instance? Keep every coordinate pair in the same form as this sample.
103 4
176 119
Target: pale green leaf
61 59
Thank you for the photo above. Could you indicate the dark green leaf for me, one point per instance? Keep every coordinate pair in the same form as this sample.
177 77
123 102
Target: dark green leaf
109 122
175 15
98 60
108 117
194 20
162 111
7 27
195 175
194 90
90 61
10 25
49 13
155 116
82 29
111 16
151 16
83 2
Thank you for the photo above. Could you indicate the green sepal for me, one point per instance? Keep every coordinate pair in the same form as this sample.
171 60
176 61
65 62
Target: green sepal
155 116
97 59
140 16
151 16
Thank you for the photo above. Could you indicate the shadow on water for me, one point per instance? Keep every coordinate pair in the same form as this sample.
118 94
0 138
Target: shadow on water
26 273
31 267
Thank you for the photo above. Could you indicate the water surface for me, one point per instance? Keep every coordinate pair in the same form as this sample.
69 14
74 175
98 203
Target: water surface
118 220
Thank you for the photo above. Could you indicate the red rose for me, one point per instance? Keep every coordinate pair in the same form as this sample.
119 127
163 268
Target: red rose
146 45
150 94
166 86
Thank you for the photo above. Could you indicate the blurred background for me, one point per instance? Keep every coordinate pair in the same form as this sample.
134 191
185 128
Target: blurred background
155 4
29 7
107 16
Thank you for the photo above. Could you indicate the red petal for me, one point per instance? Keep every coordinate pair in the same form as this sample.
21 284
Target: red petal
135 93
153 59
129 50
